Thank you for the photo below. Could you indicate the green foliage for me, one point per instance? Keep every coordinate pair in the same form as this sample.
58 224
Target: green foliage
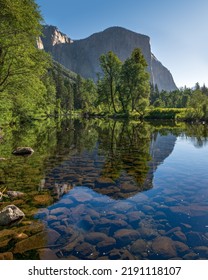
22 65
194 100
124 87
111 66
89 96
135 89
163 113
32 86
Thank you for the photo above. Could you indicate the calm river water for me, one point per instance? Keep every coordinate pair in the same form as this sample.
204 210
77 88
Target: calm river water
99 189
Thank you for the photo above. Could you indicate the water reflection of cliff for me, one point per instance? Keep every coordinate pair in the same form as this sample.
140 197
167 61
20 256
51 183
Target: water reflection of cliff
160 148
117 159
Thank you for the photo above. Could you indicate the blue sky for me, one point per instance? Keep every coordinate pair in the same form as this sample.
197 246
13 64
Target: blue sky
177 28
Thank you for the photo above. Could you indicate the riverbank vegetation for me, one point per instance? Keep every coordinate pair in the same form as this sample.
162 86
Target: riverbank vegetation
33 86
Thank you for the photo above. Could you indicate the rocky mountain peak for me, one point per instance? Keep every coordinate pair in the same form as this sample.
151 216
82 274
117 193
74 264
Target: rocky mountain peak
82 56
53 36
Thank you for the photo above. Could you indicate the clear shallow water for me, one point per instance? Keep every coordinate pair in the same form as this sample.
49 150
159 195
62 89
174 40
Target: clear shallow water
112 190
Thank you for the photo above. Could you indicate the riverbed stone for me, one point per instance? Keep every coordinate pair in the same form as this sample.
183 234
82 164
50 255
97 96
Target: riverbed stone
147 232
126 236
78 211
194 210
181 247
6 233
138 246
6 256
23 151
186 226
42 213
135 217
160 215
172 230
128 188
47 254
68 248
120 254
86 222
31 228
148 209
42 199
194 239
20 236
15 194
191 256
37 241
113 224
122 206
4 244
95 237
82 197
106 244
202 251
84 249
10 214
104 182
93 214
180 236
60 211
164 247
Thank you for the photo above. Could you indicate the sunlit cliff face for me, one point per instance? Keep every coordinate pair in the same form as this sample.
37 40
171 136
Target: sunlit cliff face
82 57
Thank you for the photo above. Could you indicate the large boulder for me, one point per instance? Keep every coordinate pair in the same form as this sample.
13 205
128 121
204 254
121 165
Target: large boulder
22 151
10 214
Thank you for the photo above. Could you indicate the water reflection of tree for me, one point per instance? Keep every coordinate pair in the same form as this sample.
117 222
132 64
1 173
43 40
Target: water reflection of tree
25 173
126 146
197 134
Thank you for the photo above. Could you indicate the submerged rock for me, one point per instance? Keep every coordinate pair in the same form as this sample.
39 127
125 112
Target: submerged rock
95 237
21 151
6 256
42 199
139 246
47 254
15 194
37 241
10 214
126 236
164 247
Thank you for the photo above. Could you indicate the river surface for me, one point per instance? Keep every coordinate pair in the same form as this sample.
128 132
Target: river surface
104 189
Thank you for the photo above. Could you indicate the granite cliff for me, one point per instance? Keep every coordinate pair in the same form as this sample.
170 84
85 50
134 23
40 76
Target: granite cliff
82 56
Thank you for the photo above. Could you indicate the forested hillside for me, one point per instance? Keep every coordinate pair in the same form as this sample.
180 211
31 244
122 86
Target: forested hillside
33 86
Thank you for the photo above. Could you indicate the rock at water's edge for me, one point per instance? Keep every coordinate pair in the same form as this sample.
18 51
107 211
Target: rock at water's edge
10 214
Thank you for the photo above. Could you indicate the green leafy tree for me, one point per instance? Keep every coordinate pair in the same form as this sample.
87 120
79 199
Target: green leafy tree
199 103
89 95
111 66
135 87
22 64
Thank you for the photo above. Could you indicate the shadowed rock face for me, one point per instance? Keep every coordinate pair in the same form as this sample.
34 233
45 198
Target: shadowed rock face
82 56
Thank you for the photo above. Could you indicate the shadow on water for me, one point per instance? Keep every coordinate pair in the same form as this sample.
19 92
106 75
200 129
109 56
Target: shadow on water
90 192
